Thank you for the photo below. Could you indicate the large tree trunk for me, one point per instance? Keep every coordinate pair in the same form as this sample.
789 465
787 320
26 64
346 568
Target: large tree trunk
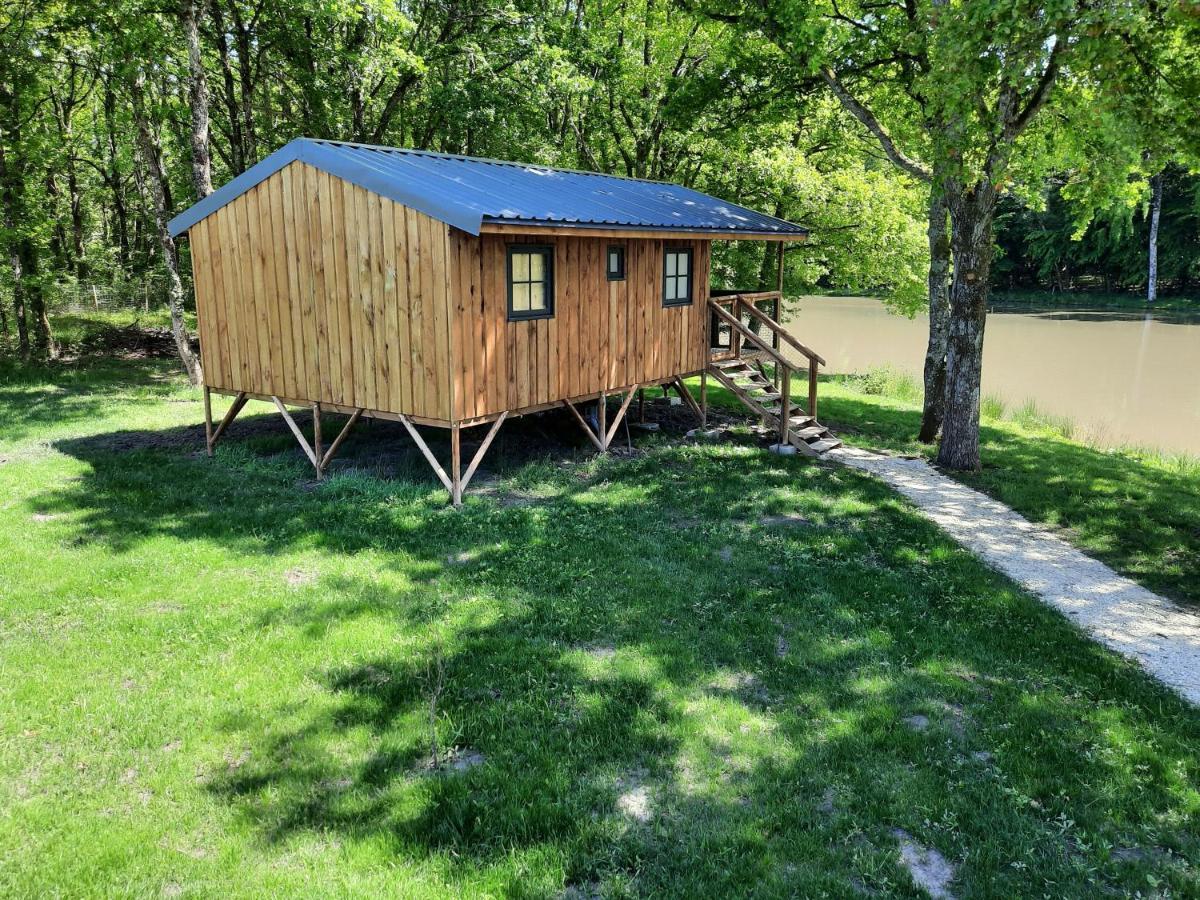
1156 191
156 182
190 12
971 216
939 317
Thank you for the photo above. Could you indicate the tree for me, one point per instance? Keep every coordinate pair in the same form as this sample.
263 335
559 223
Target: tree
24 39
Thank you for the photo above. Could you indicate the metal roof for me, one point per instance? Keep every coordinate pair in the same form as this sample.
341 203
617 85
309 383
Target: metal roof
466 192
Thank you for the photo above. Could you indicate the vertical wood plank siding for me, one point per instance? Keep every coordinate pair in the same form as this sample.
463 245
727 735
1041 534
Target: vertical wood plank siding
306 286
603 335
313 289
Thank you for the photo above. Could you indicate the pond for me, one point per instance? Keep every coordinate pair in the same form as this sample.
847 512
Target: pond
1121 376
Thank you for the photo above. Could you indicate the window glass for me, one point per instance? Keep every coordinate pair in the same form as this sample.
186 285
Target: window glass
677 277
530 282
616 263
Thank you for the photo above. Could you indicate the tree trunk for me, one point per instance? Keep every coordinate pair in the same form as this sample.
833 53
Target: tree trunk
939 317
156 178
28 298
18 297
1156 191
236 141
190 12
34 300
971 216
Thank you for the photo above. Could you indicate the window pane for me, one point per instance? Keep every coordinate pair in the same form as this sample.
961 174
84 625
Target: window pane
671 264
520 266
537 296
613 265
670 290
683 260
537 263
521 297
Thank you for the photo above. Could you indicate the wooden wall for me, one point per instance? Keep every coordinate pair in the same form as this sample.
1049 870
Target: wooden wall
604 335
311 288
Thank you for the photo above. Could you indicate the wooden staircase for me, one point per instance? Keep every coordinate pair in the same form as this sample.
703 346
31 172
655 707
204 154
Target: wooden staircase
735 368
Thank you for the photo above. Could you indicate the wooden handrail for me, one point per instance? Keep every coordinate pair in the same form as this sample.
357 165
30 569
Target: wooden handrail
736 324
779 330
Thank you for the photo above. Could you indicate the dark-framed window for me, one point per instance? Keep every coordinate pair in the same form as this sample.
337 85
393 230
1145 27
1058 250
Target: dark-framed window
530 281
616 262
677 276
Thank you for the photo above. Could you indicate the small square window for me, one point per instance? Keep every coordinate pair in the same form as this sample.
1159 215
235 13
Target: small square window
616 263
677 277
530 282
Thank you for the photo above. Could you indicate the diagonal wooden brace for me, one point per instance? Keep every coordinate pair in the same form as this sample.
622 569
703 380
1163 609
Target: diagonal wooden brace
587 429
308 451
483 448
429 457
687 396
337 442
230 415
619 416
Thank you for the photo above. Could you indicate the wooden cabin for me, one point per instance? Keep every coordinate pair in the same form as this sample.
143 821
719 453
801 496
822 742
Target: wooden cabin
455 292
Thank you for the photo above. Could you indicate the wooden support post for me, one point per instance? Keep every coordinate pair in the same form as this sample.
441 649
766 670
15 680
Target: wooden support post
602 420
287 417
612 430
337 442
704 398
587 429
785 406
642 405
429 457
208 437
230 415
483 448
456 464
317 457
812 388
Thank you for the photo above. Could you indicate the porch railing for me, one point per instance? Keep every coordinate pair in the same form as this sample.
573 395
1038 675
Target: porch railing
747 323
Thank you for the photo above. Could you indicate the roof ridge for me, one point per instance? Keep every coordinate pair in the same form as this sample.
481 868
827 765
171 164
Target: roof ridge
383 148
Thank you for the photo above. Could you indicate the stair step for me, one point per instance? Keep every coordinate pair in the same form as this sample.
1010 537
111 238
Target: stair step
826 445
810 433
730 363
801 420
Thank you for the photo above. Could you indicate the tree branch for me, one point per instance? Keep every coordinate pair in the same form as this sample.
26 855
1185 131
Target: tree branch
867 118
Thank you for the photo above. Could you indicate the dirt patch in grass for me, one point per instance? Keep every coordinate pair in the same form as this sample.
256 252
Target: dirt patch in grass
928 869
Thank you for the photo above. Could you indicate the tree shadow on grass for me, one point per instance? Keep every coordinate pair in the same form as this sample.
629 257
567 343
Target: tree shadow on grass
663 688
1141 519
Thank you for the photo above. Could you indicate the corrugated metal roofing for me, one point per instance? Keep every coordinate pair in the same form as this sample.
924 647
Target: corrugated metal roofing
466 192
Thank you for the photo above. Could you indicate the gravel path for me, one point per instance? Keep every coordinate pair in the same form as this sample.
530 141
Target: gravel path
1161 636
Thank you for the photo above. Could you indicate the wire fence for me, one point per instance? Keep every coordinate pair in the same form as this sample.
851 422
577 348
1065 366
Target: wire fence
146 294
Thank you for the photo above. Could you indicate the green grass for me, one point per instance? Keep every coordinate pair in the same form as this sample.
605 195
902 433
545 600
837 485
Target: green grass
1136 509
216 675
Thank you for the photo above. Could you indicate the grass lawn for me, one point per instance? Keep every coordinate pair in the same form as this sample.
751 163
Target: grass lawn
1137 510
700 671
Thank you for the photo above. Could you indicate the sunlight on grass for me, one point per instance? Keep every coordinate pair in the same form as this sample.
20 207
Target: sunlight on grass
698 671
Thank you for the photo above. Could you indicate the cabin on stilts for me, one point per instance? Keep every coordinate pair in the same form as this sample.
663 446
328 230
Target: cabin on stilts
457 292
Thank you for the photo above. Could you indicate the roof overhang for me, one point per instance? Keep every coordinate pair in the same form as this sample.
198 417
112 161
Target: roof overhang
492 226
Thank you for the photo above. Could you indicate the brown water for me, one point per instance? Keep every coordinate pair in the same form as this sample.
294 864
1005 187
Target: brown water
1123 377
